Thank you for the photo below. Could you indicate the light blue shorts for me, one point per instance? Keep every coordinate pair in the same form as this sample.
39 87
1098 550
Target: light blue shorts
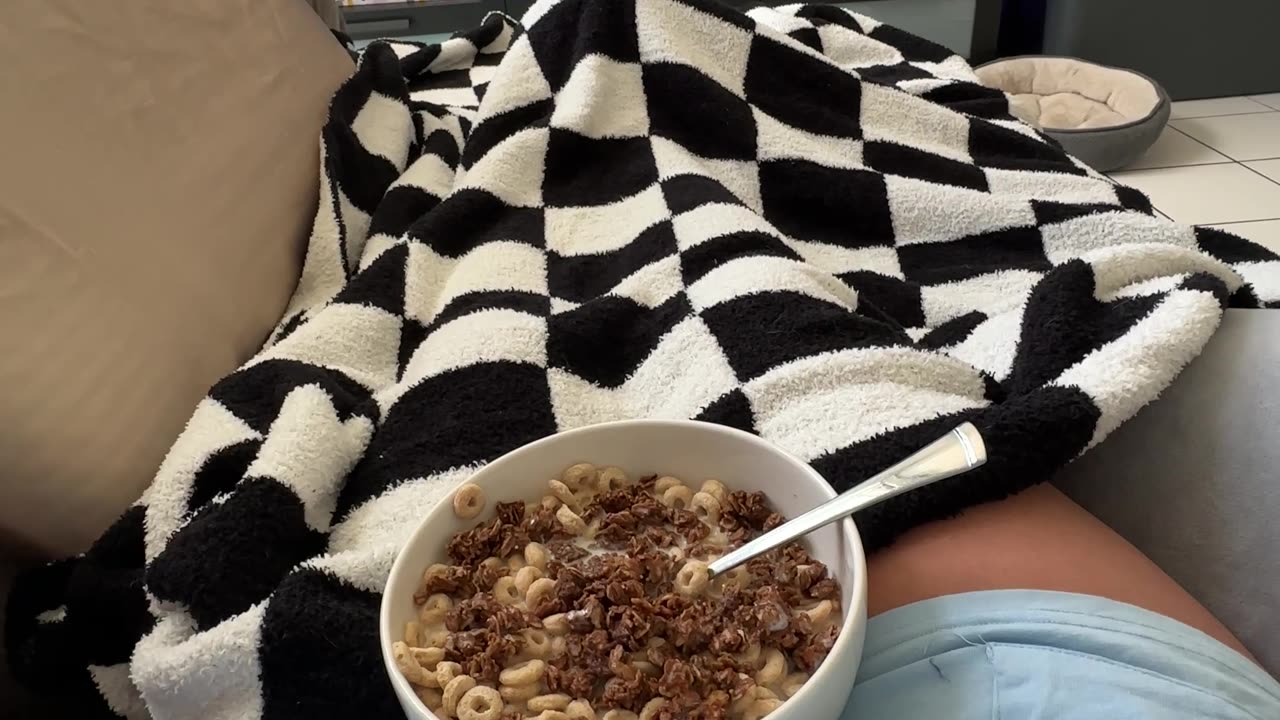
1022 654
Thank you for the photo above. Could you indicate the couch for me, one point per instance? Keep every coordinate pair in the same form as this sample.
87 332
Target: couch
155 154
179 191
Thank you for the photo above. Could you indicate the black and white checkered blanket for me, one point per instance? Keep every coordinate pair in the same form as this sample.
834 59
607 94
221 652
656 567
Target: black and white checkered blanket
799 221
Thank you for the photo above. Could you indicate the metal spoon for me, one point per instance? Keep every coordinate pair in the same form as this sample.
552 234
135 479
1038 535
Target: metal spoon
956 452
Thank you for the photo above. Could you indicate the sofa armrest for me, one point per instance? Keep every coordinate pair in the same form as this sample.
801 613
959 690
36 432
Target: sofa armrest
1194 480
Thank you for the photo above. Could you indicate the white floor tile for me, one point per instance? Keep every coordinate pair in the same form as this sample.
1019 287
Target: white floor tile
1242 137
1208 194
1216 106
1174 149
1272 100
1270 168
1266 232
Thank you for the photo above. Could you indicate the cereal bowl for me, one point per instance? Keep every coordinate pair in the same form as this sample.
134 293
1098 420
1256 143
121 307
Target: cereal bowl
690 450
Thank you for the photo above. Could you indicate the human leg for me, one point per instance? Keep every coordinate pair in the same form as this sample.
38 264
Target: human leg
1038 539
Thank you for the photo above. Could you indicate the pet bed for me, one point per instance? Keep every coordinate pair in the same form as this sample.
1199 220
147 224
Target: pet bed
1107 117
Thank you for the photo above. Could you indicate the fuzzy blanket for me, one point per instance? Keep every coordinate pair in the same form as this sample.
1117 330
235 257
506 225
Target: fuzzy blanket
799 221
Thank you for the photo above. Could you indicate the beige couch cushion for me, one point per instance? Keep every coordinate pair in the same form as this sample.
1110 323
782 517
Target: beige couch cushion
158 180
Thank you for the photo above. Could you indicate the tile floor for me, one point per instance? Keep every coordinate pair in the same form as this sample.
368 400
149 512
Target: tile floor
1218 163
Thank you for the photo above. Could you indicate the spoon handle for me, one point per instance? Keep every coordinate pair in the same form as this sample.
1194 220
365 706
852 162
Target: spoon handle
956 452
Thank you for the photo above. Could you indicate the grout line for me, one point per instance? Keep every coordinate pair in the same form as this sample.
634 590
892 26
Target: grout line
1249 222
1227 161
1265 109
1126 171
1259 174
1166 167
1220 223
1220 152
1248 98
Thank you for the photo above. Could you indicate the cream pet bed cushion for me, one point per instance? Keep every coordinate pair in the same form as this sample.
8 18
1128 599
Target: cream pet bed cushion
1105 116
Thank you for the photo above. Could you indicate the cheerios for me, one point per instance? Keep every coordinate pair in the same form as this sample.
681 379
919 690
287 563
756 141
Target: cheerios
411 630
580 476
554 701
706 506
519 693
434 609
738 576
446 672
480 703
525 673
537 643
435 638
611 478
692 579
434 570
505 591
647 668
773 667
678 497
716 489
535 554
750 655
570 520
819 612
792 683
652 708
431 697
742 704
454 691
537 589
561 492
405 662
761 708
525 577
556 624
468 501
665 483
428 657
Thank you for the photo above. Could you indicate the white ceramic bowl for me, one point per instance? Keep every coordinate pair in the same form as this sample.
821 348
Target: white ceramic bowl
692 451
